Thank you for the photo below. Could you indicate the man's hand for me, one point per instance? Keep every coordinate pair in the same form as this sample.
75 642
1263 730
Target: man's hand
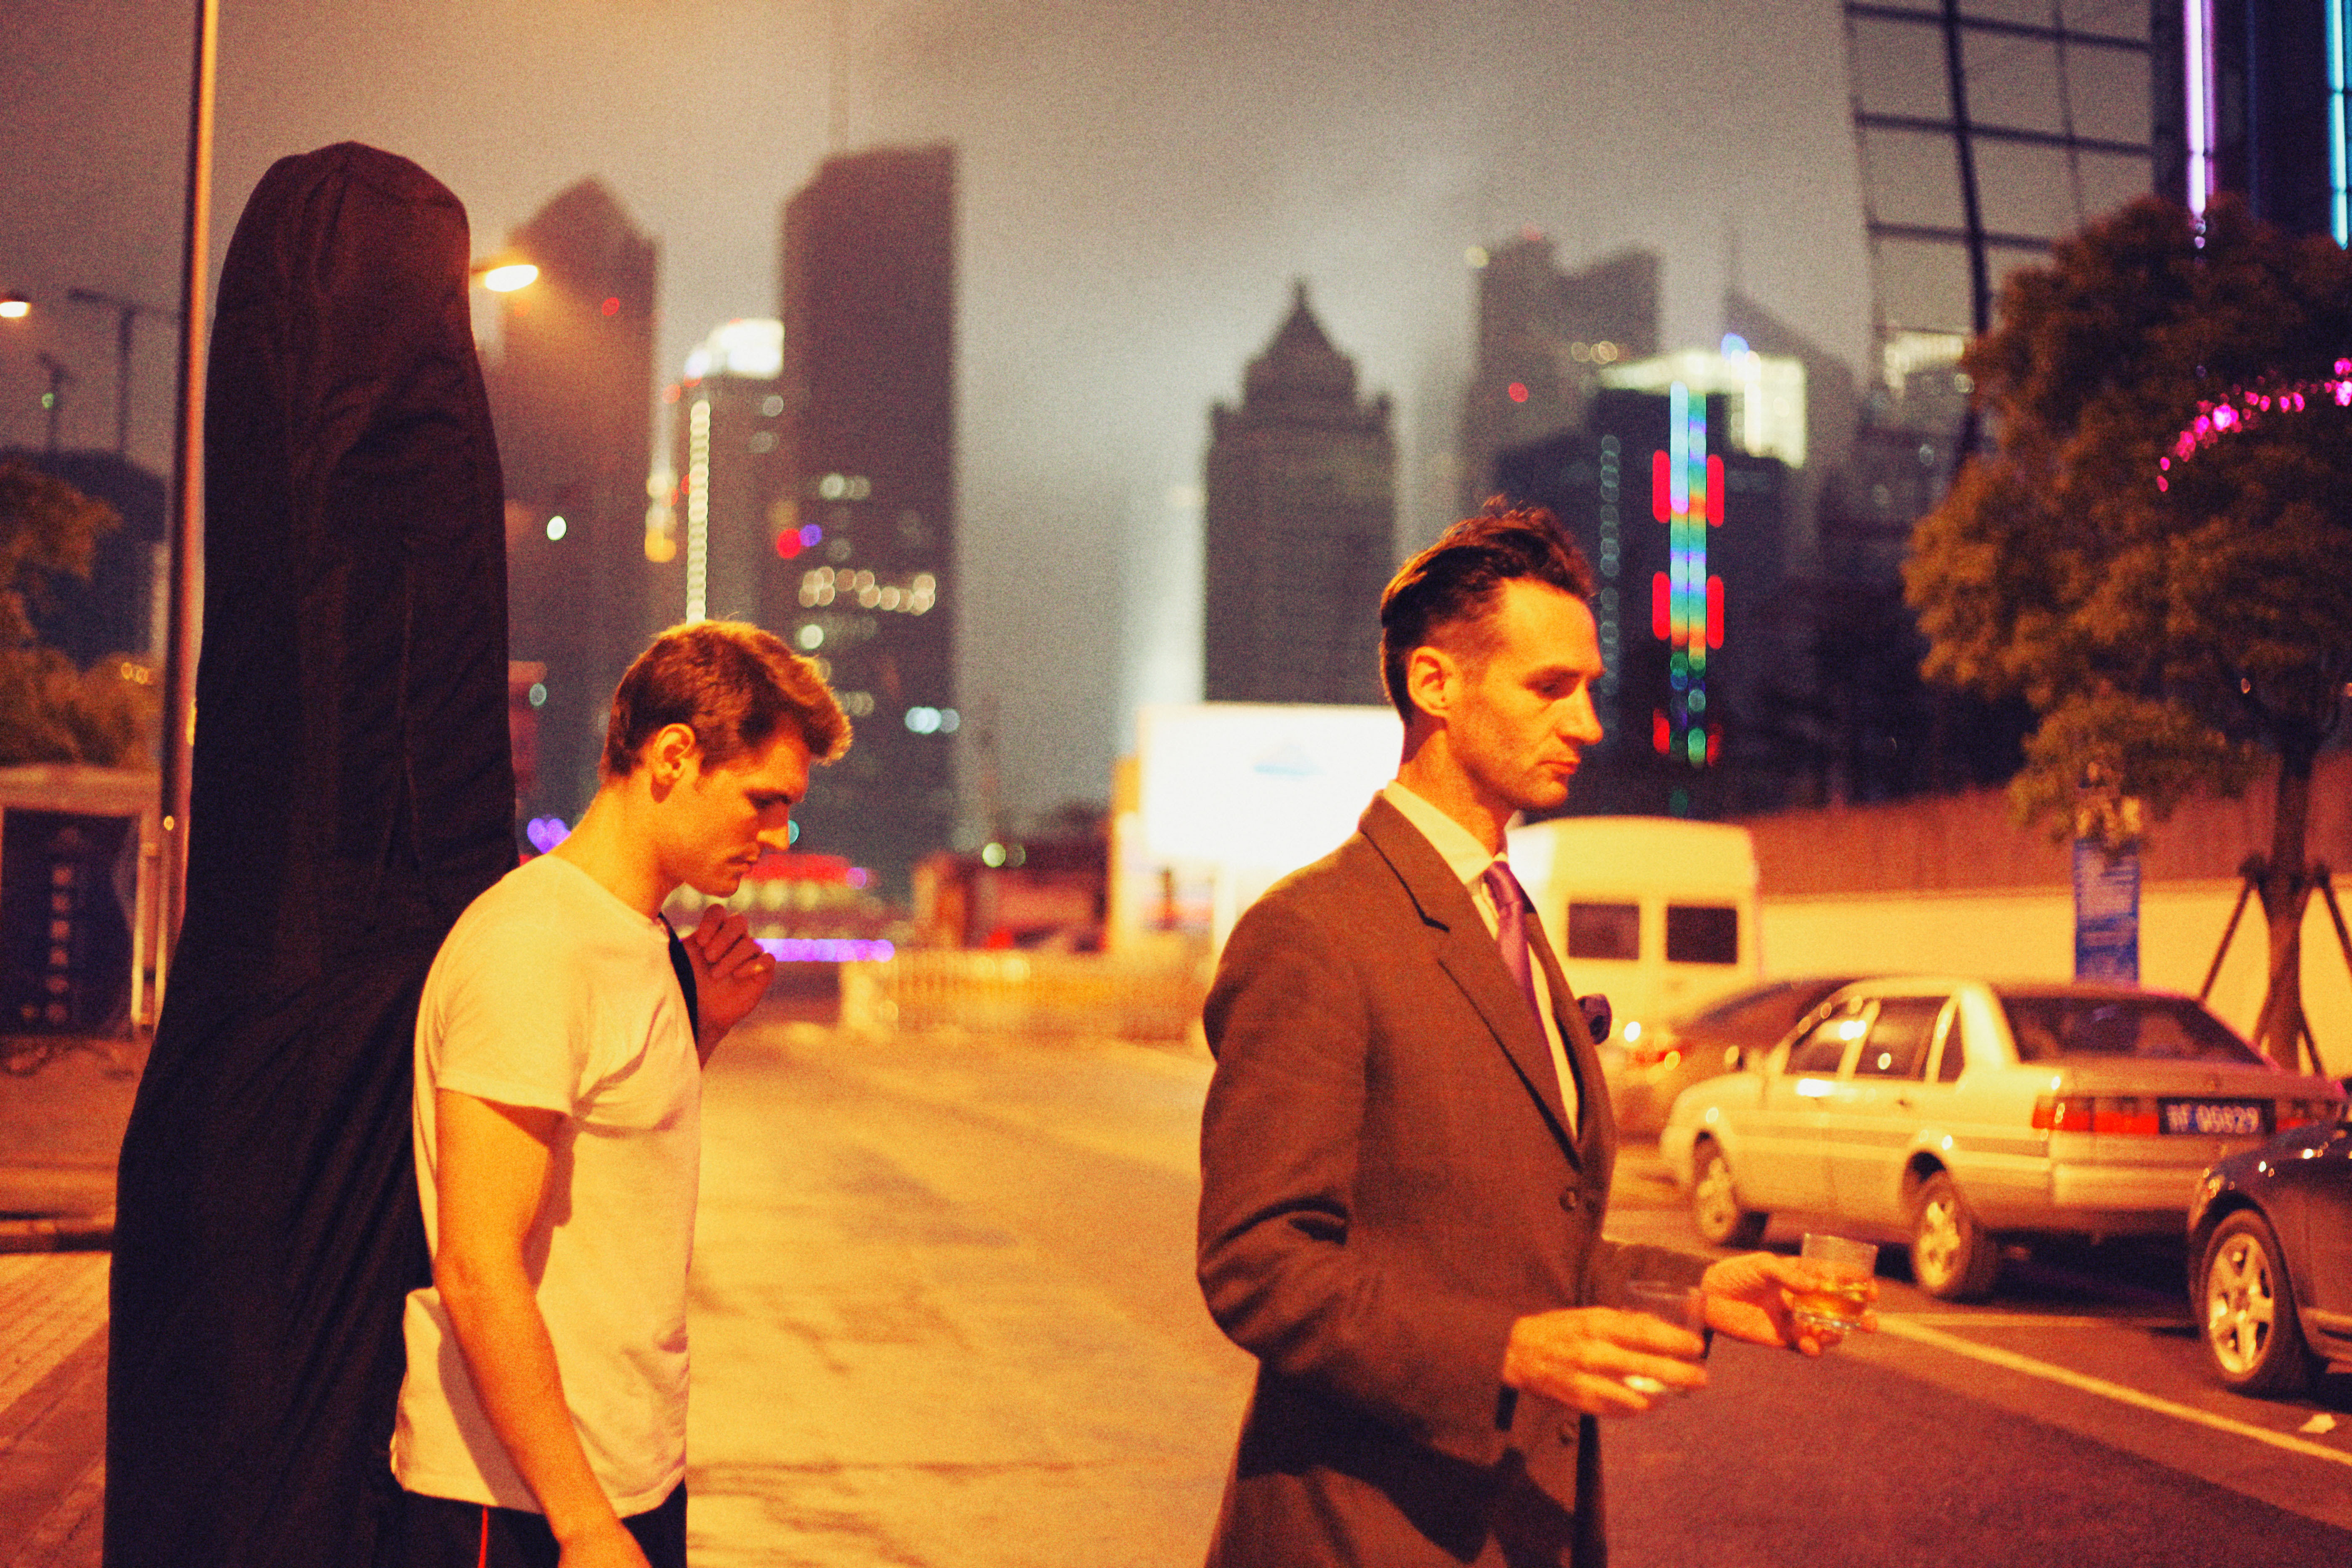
604 1547
1747 1297
730 973
1580 1357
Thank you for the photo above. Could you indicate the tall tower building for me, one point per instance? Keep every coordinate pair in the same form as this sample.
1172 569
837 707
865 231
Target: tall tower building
1544 337
1300 518
862 571
726 449
1683 528
572 399
2251 97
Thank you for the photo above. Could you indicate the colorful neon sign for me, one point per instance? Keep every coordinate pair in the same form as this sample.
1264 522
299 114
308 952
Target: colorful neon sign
1686 603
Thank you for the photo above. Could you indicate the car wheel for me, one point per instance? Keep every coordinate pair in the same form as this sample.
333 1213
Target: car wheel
1952 1259
2253 1336
1715 1203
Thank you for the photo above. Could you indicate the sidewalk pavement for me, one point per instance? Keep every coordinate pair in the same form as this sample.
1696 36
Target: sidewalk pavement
63 1104
52 1408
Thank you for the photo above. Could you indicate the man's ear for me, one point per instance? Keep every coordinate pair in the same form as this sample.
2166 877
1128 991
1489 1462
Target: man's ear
667 753
1430 673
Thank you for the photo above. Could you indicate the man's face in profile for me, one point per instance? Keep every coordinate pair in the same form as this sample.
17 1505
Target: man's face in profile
1525 715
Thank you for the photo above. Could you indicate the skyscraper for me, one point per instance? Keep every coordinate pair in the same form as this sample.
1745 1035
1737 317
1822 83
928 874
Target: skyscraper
728 452
1544 337
1299 519
2251 97
868 480
572 399
1684 530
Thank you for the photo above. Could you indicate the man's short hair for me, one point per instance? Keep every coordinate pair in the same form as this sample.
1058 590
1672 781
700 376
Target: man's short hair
734 685
1452 586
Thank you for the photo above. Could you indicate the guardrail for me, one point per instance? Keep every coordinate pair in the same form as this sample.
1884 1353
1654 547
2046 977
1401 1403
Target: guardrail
1029 994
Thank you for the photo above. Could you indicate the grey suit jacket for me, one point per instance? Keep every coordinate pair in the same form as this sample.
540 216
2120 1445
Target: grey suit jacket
1387 1182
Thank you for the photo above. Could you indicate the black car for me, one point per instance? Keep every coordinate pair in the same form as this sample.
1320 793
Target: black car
2269 1259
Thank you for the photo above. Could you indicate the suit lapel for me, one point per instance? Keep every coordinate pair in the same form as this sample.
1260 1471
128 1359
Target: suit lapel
1467 954
1596 1119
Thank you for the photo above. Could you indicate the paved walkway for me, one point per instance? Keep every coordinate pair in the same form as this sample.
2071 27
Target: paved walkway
52 1408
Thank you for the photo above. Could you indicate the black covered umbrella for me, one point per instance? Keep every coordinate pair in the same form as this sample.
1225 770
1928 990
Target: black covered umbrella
353 791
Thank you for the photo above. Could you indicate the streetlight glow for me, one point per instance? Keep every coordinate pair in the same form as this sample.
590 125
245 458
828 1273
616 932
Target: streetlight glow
15 308
507 277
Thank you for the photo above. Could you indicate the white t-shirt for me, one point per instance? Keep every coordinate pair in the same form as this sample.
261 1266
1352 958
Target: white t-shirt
550 993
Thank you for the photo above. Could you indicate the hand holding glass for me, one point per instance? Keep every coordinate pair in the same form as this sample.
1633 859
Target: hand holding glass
1839 1302
1684 1306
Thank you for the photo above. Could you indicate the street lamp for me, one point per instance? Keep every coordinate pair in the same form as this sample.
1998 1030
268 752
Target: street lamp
15 307
504 272
127 313
54 400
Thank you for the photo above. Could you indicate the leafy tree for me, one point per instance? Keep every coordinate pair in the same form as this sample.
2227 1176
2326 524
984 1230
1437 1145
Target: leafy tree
51 712
2172 610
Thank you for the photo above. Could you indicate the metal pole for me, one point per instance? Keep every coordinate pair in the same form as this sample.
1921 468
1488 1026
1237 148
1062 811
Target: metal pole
58 376
2245 890
122 323
184 610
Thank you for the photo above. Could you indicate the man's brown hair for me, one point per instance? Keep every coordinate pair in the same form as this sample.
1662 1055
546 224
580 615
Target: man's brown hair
733 685
1442 595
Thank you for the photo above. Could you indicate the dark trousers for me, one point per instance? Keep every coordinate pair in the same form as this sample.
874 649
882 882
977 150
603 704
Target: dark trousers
441 1533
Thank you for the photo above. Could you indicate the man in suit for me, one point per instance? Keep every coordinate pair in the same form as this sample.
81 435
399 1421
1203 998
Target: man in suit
1405 1157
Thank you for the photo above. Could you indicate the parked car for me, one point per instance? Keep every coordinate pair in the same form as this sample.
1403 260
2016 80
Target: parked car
2270 1259
1957 1114
1657 1060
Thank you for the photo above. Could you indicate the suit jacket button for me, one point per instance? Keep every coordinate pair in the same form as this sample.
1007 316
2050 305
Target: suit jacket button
1571 1199
1567 1431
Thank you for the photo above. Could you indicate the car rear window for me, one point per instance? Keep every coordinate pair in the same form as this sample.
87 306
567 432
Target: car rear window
2151 1028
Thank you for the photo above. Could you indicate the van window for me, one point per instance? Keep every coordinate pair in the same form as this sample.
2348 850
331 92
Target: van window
1604 931
1702 933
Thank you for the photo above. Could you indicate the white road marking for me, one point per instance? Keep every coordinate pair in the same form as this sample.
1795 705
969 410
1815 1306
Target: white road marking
1907 1328
2029 1320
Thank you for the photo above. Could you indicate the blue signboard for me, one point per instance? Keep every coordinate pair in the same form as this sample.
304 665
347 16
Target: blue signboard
2106 913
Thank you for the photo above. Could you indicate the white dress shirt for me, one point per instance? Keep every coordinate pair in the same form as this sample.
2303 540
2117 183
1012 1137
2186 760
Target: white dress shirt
1467 859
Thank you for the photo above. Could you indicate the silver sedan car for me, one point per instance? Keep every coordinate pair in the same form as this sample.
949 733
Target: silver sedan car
1955 1114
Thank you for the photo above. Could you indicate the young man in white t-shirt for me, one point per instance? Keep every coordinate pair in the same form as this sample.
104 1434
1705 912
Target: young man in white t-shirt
542 1420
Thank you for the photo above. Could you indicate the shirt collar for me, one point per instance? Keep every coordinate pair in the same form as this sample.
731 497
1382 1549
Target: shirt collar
1463 854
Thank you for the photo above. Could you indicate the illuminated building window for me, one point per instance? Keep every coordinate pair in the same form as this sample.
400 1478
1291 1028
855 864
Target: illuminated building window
698 510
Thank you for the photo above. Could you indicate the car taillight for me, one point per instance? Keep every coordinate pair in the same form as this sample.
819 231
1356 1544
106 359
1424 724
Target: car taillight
2307 1112
2128 1114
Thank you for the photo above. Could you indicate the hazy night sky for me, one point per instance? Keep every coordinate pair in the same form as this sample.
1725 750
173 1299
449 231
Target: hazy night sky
1140 183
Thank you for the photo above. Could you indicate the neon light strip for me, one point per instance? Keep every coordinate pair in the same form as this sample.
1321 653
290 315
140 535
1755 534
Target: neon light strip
1686 491
2197 29
2340 133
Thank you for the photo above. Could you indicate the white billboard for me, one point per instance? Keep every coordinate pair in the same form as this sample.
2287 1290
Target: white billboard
1264 787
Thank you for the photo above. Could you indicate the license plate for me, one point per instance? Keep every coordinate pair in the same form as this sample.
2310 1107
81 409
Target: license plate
2217 1117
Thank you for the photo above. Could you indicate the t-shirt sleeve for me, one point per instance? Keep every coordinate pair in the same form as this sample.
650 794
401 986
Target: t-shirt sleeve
509 1020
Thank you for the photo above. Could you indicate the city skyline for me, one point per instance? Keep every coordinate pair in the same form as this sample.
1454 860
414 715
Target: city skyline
1135 187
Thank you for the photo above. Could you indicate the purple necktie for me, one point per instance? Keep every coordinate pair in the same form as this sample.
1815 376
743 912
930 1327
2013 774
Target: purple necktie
1511 929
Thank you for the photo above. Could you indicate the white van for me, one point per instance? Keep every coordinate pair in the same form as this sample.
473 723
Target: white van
1654 913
